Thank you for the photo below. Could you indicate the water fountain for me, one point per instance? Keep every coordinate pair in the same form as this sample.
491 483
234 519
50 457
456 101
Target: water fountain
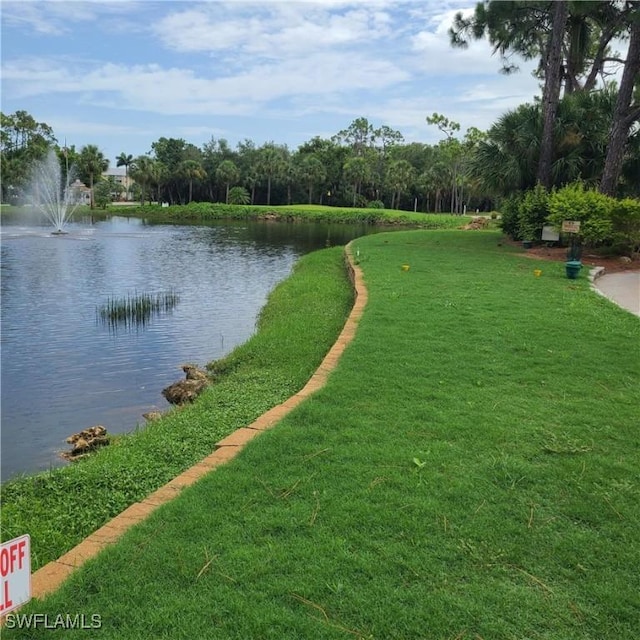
55 201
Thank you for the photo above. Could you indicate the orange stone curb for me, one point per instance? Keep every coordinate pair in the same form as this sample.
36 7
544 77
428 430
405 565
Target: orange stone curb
51 576
238 438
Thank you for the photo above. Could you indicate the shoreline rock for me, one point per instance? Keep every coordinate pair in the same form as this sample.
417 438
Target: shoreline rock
190 388
86 441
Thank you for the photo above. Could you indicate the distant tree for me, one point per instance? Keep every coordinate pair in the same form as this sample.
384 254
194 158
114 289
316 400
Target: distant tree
332 156
142 171
171 152
105 190
312 173
92 164
272 163
360 135
450 153
252 180
22 141
214 153
357 172
227 172
191 170
400 176
159 176
124 160
238 195
247 161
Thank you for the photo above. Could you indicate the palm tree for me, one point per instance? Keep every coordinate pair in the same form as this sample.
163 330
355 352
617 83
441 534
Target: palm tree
158 175
92 163
399 176
507 160
271 164
312 172
252 180
238 195
227 172
142 171
124 160
357 171
191 170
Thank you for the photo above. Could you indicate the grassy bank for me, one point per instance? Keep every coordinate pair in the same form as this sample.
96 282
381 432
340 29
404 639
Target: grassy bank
202 211
301 320
469 471
205 211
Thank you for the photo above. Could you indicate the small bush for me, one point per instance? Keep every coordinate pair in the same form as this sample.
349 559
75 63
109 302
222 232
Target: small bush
509 222
102 194
239 195
375 204
625 218
532 213
591 208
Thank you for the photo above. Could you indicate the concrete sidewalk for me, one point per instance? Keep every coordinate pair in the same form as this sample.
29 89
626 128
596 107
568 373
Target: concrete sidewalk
621 288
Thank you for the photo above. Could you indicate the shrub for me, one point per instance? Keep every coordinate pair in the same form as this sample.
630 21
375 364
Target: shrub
239 195
532 213
591 208
102 194
375 204
509 216
625 218
361 201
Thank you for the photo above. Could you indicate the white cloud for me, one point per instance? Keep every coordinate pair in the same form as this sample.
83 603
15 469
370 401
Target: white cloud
57 17
274 30
181 91
28 15
436 55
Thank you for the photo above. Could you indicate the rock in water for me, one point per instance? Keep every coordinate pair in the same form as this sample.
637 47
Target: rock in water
184 391
85 441
152 416
193 373
189 389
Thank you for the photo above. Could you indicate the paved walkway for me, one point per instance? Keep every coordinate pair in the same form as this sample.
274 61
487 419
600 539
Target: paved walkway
621 288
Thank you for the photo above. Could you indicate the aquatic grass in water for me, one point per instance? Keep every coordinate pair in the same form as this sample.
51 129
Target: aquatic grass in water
138 309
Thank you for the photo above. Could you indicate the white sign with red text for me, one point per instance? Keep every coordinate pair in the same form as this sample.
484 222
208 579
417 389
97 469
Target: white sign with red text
15 573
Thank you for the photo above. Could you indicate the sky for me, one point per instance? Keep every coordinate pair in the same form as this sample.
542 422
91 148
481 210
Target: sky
121 74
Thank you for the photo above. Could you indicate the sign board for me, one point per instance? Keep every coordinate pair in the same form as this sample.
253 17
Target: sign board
15 573
550 234
571 226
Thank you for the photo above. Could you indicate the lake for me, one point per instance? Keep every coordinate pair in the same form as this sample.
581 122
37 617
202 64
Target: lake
65 369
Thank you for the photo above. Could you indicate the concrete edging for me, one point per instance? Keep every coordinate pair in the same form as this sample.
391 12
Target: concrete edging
595 273
49 577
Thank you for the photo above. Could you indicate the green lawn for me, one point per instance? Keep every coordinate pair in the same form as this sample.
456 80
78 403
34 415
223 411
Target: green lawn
469 471
202 211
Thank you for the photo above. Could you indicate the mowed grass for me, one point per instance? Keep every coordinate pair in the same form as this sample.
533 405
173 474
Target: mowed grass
469 471
202 211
